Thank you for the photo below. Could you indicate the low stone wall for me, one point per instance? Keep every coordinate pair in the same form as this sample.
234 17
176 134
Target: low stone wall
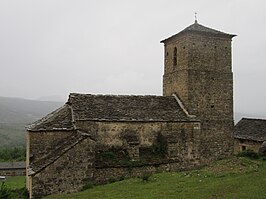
241 144
12 168
13 172
51 182
112 174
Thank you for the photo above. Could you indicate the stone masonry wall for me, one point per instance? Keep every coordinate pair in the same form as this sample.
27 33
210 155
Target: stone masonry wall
203 80
247 144
120 149
67 174
41 143
111 174
183 137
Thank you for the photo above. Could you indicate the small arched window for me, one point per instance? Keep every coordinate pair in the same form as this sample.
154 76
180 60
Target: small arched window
175 56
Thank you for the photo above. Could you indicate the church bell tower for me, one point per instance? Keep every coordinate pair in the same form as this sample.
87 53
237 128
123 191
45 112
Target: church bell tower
198 70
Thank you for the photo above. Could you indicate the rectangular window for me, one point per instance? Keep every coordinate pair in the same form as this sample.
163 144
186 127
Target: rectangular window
243 148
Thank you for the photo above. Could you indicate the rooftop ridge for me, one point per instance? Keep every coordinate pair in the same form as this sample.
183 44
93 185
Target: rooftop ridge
261 119
182 106
198 28
116 95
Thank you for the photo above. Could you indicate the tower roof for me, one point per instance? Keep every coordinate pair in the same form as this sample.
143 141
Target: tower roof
200 29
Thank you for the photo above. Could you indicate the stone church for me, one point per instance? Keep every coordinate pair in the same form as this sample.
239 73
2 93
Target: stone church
105 138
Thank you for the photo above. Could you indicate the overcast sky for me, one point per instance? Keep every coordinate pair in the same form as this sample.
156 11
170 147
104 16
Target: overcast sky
54 47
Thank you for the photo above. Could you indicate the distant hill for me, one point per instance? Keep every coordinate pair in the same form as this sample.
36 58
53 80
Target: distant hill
53 98
15 113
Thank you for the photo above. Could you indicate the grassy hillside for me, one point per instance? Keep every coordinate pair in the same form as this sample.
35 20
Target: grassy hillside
230 178
239 178
15 113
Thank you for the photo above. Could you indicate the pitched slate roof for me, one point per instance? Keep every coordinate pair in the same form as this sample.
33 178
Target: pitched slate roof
125 108
87 107
198 28
60 119
251 129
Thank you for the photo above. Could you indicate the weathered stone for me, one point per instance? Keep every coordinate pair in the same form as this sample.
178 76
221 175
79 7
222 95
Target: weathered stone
198 70
249 133
262 150
12 168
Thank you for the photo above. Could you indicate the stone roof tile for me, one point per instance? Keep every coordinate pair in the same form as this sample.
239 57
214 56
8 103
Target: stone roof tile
198 28
251 129
60 119
87 107
125 108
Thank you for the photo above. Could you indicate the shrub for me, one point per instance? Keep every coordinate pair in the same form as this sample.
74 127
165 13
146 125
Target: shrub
4 191
248 153
88 185
108 155
112 180
7 193
12 154
160 145
146 176
20 193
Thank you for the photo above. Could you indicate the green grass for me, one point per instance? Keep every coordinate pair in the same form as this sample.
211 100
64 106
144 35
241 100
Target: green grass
13 187
15 182
238 178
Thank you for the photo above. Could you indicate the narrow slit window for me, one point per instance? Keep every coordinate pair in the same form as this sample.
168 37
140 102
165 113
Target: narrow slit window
175 56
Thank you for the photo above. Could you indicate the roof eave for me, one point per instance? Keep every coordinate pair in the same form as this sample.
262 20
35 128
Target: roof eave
136 120
221 35
249 139
50 130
